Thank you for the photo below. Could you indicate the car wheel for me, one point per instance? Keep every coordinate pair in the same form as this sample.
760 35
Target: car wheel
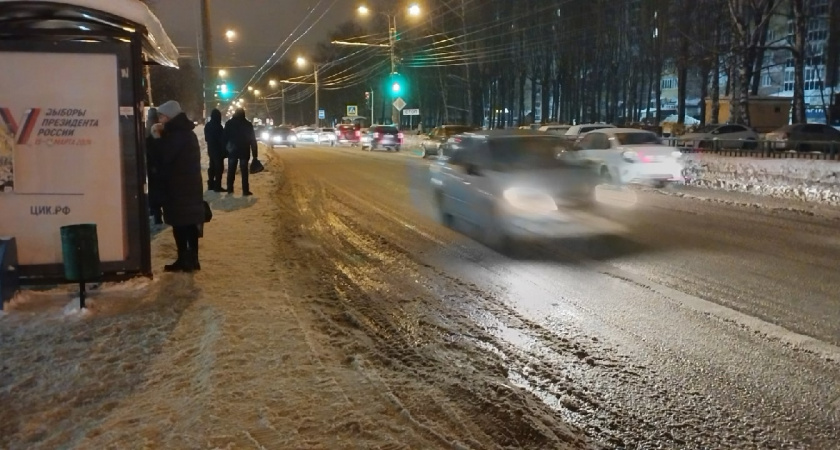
294 146
446 219
423 152
397 148
493 233
606 177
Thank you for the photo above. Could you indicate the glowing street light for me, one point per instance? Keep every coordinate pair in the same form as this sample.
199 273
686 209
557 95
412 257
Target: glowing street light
250 88
363 10
272 83
222 73
301 61
414 10
230 35
256 93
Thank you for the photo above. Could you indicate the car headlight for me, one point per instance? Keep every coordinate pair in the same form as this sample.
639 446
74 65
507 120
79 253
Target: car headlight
529 200
630 156
264 136
677 154
278 138
292 138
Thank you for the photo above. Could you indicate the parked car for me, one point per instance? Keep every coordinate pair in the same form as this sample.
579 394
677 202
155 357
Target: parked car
631 156
382 136
720 136
431 144
511 184
575 132
347 133
805 137
279 136
327 136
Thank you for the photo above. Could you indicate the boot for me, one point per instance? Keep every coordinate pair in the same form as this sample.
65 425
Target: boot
181 241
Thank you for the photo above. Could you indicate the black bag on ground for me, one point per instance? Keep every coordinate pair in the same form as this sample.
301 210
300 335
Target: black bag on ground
208 213
256 166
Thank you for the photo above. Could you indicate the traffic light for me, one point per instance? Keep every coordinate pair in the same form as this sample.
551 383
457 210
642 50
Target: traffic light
224 91
397 85
367 95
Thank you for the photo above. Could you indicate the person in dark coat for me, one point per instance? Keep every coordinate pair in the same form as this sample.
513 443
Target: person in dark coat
239 134
183 203
214 135
152 170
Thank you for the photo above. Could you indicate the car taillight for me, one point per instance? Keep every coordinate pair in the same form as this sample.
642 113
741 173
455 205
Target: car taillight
376 135
358 133
400 135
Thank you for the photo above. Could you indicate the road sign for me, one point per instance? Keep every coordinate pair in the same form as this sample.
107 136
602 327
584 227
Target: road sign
352 110
411 112
322 114
399 103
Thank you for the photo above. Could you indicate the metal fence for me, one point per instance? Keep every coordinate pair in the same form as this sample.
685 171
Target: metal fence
829 151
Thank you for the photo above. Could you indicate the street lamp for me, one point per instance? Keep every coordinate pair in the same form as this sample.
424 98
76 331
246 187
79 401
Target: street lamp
363 10
250 88
230 35
222 73
256 93
414 10
301 62
272 83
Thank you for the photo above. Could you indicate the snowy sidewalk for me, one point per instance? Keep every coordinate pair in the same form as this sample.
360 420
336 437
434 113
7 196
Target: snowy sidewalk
224 358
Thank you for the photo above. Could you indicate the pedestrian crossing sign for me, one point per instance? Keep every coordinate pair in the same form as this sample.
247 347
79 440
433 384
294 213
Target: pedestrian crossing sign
352 110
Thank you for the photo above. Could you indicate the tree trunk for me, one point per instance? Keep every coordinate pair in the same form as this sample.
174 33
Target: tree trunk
521 107
715 94
799 35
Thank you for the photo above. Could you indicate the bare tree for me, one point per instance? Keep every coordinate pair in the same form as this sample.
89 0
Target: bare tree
749 19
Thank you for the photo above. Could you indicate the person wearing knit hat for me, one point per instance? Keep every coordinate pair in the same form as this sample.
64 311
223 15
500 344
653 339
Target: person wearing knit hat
169 109
183 196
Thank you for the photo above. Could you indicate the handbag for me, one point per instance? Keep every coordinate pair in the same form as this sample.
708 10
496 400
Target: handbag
256 166
208 213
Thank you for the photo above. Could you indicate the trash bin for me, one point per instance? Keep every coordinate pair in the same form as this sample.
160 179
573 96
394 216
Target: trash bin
80 249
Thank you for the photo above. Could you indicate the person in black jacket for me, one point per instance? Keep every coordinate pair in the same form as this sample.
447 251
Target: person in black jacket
239 135
183 203
214 135
153 170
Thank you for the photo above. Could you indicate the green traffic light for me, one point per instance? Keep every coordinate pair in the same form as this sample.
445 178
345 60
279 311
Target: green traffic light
395 88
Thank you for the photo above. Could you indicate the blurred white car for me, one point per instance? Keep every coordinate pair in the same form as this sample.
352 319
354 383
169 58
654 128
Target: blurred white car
327 136
559 130
631 156
575 132
306 134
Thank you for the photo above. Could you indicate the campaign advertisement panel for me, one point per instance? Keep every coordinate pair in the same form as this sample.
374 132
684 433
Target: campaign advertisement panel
61 161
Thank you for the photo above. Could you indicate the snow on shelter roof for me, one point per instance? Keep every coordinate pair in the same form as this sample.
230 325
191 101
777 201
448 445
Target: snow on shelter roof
157 44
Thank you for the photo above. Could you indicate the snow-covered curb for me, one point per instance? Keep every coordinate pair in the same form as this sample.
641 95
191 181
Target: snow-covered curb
807 180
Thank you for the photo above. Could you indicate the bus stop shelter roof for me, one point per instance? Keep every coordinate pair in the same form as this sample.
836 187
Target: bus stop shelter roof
128 15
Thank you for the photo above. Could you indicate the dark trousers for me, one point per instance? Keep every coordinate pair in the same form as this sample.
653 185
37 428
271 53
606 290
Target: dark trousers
186 239
214 172
231 176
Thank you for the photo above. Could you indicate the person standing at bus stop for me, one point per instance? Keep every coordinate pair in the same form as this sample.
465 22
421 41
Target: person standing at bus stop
241 144
214 135
183 202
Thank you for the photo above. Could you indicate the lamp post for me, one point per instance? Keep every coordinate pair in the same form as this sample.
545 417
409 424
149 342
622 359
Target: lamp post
301 62
413 10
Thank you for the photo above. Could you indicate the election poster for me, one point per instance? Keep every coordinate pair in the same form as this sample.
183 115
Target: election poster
60 152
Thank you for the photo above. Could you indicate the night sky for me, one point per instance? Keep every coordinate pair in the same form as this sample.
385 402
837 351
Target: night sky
261 26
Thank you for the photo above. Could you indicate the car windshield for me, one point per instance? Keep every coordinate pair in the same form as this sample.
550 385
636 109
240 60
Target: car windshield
392 130
525 153
636 138
327 130
707 129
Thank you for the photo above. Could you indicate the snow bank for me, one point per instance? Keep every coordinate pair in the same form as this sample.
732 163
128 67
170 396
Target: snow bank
808 180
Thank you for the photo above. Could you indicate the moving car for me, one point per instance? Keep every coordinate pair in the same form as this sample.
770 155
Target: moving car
720 136
306 134
383 136
629 155
348 133
805 137
278 136
327 136
512 184
431 145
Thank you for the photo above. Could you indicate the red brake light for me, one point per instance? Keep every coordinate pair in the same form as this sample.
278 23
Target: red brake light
358 133
400 135
376 135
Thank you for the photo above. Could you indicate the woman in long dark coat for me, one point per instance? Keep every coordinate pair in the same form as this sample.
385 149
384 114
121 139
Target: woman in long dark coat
183 202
